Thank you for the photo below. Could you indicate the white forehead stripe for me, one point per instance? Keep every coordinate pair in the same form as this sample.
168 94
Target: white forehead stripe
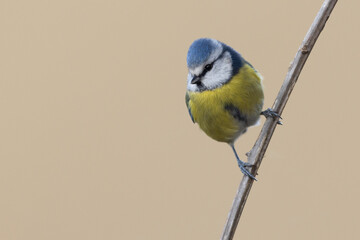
218 49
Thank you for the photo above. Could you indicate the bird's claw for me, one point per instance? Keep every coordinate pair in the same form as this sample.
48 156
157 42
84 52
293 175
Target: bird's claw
270 113
246 172
248 165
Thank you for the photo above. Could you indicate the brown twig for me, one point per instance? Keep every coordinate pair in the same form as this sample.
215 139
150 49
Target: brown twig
257 152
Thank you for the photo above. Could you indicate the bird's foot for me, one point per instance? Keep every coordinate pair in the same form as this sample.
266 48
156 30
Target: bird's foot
270 113
247 165
243 167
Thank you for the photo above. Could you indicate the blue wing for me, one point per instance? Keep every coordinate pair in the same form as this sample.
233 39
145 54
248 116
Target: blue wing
187 99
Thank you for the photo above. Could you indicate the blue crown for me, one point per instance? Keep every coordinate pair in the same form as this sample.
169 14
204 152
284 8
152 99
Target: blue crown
199 52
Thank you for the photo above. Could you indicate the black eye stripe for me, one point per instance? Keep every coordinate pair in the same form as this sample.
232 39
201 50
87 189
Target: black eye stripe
209 66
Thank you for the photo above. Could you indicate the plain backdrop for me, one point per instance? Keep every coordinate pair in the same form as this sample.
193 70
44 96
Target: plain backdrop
96 141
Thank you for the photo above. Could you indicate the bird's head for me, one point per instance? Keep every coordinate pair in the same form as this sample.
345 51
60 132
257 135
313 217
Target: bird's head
211 64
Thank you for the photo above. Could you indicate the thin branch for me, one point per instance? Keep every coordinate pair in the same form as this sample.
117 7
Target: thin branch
257 152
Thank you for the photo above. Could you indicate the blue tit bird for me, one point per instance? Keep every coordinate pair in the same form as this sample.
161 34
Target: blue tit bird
224 92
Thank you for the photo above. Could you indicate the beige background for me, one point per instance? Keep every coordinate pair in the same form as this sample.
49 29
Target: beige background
96 141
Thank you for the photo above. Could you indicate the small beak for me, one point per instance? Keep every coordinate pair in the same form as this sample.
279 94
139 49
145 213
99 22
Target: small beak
195 79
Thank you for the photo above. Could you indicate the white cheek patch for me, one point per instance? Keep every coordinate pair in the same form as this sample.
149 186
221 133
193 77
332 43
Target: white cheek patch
220 73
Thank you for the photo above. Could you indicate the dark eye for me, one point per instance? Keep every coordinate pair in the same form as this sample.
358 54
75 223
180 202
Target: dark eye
208 67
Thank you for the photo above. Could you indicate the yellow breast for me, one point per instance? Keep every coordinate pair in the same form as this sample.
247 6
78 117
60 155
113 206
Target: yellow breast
210 109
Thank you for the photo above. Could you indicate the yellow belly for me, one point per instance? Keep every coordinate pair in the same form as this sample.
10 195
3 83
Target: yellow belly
243 91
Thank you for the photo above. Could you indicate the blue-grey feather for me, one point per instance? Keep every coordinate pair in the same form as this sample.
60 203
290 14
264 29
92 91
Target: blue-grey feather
237 60
191 116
